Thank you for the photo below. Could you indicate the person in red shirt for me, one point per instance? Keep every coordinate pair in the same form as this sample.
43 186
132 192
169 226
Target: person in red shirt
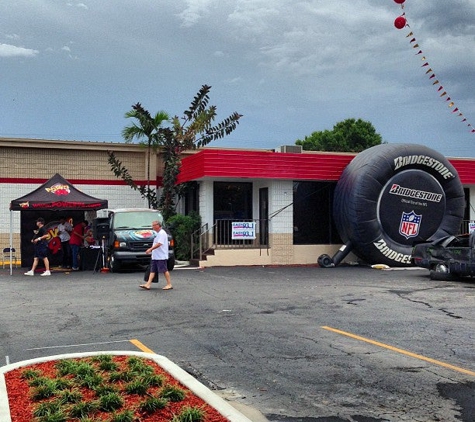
76 240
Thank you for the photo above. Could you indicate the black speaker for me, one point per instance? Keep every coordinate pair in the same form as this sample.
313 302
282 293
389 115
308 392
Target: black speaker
100 227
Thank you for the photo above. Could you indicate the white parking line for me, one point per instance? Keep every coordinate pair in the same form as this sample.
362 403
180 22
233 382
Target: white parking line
68 346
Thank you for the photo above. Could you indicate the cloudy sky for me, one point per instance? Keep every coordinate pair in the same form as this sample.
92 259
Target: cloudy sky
71 69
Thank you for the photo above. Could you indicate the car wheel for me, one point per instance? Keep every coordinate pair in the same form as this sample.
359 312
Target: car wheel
441 273
393 195
114 265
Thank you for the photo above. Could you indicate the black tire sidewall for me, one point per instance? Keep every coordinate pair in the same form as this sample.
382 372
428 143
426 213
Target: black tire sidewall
361 217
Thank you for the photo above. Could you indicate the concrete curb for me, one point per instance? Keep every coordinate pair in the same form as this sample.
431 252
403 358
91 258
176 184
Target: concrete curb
174 370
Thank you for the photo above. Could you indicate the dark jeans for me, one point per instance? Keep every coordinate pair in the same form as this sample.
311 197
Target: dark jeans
66 248
75 252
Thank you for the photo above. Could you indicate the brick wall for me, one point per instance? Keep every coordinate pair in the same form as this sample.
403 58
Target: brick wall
26 164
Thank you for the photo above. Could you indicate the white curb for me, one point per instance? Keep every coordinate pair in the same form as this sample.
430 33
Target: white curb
174 370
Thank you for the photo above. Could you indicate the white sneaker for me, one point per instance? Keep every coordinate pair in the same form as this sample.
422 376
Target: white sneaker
30 273
46 273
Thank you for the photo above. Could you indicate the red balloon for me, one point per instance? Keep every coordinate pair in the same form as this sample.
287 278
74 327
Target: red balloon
399 1
400 22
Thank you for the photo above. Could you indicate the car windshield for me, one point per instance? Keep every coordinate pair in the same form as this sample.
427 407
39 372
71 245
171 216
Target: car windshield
136 219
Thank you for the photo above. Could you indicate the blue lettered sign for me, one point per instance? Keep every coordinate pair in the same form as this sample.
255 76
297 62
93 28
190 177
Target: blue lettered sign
243 230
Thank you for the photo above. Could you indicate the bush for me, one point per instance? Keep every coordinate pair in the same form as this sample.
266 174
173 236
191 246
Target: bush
182 227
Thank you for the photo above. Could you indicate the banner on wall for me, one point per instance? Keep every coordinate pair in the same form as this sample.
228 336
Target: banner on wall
245 230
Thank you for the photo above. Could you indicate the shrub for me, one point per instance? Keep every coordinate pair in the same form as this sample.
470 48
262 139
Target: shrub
189 414
30 374
91 381
125 416
137 387
105 363
152 404
103 389
153 380
44 391
110 402
182 227
70 396
46 408
83 409
172 393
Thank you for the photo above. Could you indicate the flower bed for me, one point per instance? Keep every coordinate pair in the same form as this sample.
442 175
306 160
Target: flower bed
107 388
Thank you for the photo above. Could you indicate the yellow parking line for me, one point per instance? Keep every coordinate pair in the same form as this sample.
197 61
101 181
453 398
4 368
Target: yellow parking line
402 351
141 346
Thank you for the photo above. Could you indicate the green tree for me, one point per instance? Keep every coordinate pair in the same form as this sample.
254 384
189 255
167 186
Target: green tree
147 126
349 135
183 226
194 130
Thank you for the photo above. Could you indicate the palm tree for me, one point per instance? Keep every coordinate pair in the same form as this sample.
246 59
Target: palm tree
194 130
146 127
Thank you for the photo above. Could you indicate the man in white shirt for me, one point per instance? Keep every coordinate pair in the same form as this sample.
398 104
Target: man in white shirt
159 252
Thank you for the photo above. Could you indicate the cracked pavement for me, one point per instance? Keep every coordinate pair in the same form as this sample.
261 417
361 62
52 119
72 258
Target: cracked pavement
256 336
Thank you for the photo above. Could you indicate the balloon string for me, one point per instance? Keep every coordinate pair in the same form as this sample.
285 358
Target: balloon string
436 82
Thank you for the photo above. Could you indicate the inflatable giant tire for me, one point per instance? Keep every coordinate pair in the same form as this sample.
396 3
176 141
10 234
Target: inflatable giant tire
393 195
325 261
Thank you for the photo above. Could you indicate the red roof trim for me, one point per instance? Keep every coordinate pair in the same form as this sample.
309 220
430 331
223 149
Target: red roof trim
34 181
214 163
263 165
465 168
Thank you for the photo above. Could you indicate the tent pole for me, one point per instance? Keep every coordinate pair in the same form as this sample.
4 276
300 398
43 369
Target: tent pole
11 242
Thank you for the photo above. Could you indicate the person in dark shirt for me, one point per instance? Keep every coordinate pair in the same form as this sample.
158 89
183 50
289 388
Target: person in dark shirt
41 248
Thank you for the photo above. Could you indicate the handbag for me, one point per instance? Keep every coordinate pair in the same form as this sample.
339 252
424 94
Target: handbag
147 275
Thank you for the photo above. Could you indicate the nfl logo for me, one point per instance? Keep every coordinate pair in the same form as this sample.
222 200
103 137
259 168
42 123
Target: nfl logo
410 223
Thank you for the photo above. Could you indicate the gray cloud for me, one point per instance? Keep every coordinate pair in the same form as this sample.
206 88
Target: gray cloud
289 67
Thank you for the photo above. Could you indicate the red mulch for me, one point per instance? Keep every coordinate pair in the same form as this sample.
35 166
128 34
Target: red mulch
21 406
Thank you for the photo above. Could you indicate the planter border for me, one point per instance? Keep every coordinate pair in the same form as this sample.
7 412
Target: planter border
174 370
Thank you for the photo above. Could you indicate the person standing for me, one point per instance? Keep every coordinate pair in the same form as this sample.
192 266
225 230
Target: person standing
41 248
159 252
76 240
64 229
89 238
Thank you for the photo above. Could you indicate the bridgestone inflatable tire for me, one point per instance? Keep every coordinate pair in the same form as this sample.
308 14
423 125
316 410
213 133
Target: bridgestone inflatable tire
393 195
325 261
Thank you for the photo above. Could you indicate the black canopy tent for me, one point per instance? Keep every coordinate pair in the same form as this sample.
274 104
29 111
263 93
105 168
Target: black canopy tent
57 194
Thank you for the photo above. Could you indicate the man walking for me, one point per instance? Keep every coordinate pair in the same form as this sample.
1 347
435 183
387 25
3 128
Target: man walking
159 252
41 248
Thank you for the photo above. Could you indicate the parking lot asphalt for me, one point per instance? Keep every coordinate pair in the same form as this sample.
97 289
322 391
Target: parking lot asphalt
292 344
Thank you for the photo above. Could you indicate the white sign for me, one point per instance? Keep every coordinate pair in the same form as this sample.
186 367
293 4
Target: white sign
471 227
244 230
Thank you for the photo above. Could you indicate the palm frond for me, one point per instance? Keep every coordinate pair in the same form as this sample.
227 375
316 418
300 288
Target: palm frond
119 170
199 103
226 127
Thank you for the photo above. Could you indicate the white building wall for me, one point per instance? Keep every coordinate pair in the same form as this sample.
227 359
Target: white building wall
206 202
281 210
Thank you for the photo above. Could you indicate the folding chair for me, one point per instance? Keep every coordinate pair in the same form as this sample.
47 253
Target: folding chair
6 257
